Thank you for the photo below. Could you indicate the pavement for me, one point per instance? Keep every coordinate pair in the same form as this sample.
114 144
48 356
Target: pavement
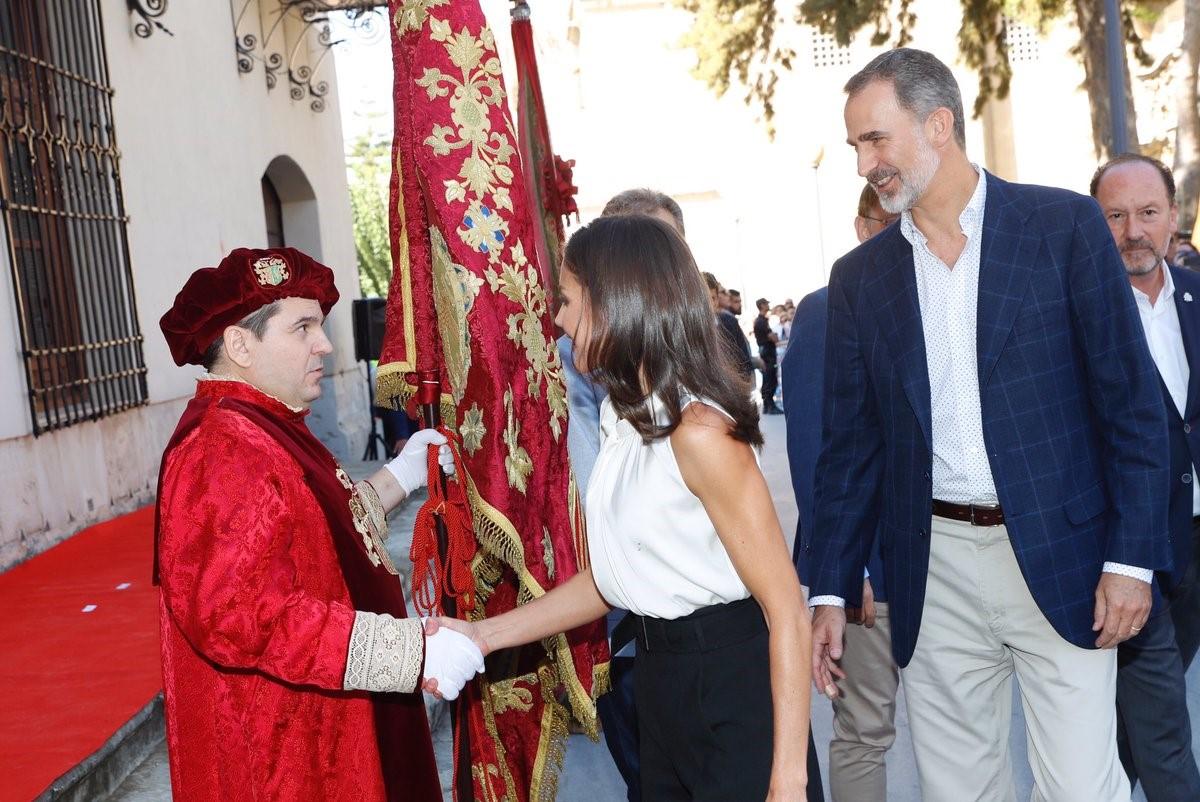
588 772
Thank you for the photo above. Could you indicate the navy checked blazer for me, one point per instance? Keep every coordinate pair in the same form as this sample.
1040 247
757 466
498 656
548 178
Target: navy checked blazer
1073 417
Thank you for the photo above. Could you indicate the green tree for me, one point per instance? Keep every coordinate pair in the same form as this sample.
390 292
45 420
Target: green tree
1187 131
737 39
368 165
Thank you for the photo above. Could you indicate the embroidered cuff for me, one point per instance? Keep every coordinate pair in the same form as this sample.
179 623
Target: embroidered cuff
385 653
1144 574
376 518
828 601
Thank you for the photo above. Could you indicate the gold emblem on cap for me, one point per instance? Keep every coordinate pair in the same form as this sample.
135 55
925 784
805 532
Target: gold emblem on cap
271 270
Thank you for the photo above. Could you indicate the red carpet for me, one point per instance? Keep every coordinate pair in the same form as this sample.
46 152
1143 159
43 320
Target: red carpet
68 678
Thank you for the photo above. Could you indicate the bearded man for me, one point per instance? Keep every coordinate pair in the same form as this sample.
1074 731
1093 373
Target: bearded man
992 411
289 669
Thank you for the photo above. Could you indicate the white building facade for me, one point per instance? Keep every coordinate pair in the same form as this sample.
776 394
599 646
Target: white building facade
138 142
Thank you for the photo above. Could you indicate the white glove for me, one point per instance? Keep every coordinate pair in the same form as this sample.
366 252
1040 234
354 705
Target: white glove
410 468
452 659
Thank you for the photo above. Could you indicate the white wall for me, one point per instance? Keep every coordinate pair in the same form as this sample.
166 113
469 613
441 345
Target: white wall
195 138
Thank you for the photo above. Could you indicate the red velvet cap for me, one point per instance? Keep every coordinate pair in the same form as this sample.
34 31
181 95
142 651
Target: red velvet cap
247 279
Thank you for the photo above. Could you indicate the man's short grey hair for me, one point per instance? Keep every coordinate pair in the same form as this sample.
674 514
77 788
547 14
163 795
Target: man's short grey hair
643 201
923 84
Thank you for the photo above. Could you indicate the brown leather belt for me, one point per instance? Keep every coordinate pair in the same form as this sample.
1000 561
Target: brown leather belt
974 514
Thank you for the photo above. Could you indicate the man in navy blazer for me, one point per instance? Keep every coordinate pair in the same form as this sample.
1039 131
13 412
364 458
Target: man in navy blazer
1137 196
864 713
993 413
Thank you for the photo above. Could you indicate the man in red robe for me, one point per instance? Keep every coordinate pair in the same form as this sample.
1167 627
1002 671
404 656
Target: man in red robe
289 668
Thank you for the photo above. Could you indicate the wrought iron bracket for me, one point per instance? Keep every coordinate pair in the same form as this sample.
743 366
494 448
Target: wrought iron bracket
147 13
288 47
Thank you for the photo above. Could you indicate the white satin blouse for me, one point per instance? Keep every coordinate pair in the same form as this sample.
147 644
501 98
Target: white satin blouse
653 549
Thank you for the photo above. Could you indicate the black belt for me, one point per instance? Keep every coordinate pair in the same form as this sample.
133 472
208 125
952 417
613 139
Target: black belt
706 629
974 514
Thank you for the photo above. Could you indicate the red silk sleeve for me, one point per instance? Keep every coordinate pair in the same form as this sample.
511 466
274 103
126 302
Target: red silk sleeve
244 574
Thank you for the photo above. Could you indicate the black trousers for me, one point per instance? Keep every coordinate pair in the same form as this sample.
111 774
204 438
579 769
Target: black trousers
618 713
705 719
1154 731
770 381
1185 604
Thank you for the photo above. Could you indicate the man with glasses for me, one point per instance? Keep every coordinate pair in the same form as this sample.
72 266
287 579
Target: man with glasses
864 712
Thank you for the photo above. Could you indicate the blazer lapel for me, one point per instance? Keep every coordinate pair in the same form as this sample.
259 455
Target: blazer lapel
1006 258
893 293
1189 328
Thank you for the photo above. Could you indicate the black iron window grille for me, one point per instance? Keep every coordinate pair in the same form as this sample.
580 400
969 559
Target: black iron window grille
64 216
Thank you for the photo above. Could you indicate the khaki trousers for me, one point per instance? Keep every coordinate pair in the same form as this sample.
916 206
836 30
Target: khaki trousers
864 714
980 625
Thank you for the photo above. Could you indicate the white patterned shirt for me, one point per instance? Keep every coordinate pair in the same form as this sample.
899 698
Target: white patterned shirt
949 301
949 304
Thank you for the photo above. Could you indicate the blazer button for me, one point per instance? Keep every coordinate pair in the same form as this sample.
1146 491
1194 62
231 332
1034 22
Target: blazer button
1187 428
921 533
926 476
1186 478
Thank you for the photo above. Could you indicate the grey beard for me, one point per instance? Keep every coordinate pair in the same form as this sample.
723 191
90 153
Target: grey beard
1141 271
913 184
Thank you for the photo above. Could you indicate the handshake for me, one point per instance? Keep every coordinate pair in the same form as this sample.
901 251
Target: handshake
451 660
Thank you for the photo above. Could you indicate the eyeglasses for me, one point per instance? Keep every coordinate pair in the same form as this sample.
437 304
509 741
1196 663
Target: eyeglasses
887 221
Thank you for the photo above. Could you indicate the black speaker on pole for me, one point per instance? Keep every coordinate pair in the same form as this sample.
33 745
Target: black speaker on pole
368 322
369 317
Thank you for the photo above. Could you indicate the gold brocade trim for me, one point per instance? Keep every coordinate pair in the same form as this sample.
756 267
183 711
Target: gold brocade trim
489 723
578 524
403 270
552 743
454 291
499 537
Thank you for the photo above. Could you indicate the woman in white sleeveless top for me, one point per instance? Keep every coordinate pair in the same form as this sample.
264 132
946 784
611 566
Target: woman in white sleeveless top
681 529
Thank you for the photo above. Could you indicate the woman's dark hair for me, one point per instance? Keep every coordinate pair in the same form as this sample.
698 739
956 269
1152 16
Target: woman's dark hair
651 323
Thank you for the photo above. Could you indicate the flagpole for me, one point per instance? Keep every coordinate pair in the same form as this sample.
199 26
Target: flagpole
429 392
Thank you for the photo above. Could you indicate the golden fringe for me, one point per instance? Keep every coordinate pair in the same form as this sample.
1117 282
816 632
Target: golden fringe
552 746
395 391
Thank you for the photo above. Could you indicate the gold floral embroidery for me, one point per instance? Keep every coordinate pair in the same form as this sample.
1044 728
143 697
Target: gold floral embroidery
519 283
472 430
344 478
485 170
483 184
411 14
507 696
517 464
454 290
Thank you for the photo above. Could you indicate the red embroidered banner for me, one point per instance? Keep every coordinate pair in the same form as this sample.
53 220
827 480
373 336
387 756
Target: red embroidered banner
468 305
